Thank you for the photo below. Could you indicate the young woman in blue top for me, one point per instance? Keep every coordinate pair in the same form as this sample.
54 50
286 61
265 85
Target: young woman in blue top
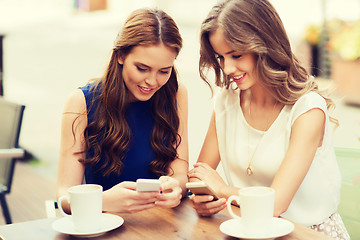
131 123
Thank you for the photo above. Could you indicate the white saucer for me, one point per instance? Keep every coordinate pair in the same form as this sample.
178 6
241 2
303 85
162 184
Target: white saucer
110 222
280 227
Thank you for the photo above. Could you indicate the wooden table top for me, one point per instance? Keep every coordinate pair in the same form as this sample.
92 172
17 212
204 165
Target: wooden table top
181 222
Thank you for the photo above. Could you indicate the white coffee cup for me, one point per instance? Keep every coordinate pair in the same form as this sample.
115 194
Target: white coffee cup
256 208
86 206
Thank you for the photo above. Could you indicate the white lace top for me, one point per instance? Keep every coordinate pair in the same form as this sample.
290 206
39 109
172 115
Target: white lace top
318 195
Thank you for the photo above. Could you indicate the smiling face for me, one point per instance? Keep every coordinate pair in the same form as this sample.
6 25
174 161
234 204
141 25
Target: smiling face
239 66
146 69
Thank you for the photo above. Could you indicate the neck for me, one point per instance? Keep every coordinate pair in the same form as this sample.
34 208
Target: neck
261 97
260 109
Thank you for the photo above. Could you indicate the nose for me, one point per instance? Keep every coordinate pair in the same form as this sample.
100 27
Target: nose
151 79
228 66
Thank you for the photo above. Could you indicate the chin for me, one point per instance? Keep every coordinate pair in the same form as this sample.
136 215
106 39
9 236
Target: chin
241 86
143 98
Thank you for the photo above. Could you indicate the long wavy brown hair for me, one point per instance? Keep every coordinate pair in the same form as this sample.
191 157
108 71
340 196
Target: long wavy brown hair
110 133
254 26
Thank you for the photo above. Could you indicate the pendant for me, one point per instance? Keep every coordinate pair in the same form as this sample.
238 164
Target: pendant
249 171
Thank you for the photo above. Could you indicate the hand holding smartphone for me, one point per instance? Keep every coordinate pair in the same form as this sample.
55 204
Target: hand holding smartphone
148 185
201 188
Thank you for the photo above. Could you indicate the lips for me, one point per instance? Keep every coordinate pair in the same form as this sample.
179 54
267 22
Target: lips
239 78
145 90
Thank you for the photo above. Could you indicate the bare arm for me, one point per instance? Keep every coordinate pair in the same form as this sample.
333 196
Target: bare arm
205 170
209 153
175 182
181 164
306 136
208 161
70 170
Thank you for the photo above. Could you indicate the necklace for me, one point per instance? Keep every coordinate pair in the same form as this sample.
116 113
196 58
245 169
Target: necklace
249 169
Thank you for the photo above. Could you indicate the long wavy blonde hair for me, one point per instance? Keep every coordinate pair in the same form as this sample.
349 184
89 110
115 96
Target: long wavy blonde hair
253 26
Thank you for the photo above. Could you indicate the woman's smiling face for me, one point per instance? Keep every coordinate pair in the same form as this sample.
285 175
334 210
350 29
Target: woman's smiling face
146 69
239 66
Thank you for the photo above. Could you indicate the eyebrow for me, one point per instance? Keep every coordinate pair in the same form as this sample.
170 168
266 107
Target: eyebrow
144 65
230 52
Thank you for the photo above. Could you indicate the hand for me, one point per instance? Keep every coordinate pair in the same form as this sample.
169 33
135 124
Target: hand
124 198
205 173
205 206
171 192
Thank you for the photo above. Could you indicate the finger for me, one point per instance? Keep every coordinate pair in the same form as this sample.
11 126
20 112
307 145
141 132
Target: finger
195 174
211 204
211 211
200 171
146 195
202 210
202 164
169 201
128 185
217 209
202 198
142 201
164 178
172 198
196 168
215 204
210 208
191 170
169 185
174 193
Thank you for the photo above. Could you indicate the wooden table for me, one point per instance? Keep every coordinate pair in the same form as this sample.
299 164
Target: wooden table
157 223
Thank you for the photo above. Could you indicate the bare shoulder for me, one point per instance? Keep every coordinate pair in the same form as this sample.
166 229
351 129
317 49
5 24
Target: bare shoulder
182 92
312 117
310 126
75 102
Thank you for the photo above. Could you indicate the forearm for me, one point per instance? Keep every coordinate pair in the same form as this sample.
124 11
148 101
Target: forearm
183 179
65 205
226 192
67 178
109 201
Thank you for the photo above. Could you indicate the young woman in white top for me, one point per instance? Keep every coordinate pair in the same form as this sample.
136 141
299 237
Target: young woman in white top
270 124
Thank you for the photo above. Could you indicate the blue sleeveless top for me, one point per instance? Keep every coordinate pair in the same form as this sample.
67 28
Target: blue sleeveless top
140 153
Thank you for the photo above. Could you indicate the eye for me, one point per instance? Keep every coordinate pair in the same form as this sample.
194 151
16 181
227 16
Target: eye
236 56
141 69
165 71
